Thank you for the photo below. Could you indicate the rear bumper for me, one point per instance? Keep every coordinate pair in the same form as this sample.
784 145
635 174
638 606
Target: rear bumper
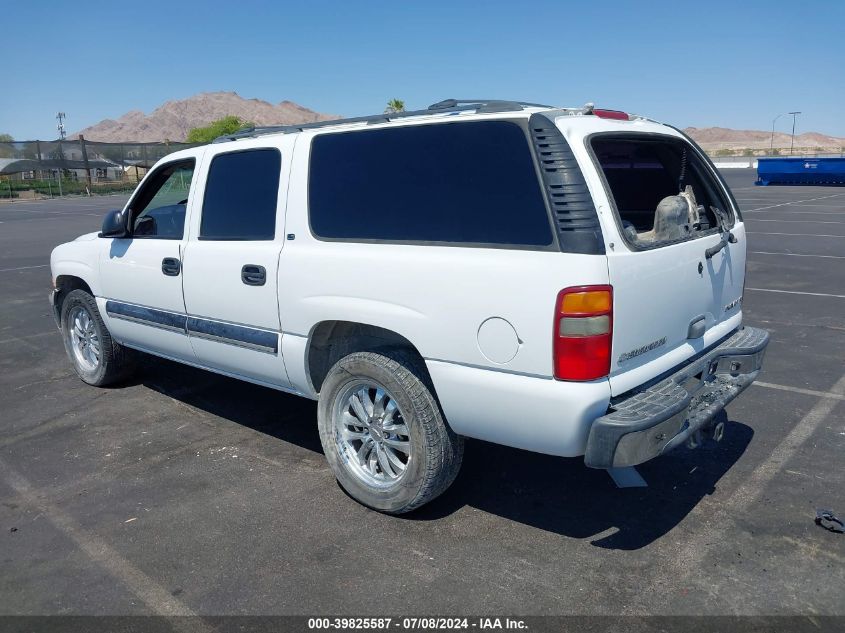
646 423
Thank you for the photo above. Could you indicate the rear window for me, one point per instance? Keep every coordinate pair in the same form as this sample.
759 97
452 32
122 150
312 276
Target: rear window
662 190
452 183
241 195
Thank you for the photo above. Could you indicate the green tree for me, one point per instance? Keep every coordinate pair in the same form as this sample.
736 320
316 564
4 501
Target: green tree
6 151
394 105
227 125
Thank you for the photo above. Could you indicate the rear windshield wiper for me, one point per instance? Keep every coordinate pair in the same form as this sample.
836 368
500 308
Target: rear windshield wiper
727 236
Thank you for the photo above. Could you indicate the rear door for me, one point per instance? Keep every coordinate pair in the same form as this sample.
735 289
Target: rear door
231 263
670 300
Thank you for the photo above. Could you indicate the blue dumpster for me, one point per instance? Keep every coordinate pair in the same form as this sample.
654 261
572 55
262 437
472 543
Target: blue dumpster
801 171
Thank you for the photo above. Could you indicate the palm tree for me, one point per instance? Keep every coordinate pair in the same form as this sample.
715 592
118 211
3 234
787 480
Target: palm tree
394 105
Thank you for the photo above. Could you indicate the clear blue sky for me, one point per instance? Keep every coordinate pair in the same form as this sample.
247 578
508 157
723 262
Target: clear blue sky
702 63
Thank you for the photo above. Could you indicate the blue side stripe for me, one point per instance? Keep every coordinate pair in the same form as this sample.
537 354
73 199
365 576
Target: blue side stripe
150 315
230 333
236 333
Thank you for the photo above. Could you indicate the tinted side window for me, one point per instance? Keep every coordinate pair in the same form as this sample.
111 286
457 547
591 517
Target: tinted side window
469 182
241 196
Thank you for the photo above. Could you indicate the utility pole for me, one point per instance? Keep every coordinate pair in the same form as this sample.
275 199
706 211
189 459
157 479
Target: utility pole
792 143
61 116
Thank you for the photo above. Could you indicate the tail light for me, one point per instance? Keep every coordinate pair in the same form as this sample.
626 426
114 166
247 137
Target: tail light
611 114
583 330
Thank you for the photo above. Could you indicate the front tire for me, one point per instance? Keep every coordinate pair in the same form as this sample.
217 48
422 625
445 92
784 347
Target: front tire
96 357
383 432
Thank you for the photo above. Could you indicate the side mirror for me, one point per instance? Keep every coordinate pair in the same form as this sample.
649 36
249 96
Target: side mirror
114 224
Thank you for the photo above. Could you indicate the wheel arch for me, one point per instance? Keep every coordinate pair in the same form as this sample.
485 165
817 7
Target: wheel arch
65 284
331 340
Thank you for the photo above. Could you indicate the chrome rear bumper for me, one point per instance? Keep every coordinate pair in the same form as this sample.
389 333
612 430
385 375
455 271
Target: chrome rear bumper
653 420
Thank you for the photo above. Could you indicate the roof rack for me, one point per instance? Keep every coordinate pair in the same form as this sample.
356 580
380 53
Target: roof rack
447 106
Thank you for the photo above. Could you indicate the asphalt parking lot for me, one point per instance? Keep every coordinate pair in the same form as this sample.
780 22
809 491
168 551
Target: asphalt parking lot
184 492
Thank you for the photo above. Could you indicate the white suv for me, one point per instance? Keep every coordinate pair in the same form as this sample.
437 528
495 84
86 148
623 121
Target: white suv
566 281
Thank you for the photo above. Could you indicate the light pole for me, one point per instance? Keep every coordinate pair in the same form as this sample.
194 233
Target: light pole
792 142
772 144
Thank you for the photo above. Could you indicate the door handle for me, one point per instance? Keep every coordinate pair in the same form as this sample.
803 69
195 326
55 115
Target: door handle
253 275
171 266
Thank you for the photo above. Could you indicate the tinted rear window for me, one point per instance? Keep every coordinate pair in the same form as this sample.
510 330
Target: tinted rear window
456 183
241 196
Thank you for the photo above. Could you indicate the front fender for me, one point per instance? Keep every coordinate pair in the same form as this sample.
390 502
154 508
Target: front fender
78 259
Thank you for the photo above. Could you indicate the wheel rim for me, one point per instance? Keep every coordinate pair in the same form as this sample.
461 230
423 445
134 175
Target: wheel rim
372 437
83 338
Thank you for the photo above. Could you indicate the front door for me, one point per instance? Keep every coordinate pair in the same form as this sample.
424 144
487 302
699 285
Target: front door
141 275
231 265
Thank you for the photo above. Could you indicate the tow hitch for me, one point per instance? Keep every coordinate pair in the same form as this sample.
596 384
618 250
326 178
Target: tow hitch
715 432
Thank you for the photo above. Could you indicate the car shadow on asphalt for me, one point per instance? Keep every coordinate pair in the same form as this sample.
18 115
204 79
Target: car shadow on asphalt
563 496
555 494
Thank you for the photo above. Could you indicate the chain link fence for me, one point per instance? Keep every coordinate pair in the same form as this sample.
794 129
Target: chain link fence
38 169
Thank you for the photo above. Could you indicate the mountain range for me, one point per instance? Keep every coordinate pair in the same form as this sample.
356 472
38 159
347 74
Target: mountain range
172 121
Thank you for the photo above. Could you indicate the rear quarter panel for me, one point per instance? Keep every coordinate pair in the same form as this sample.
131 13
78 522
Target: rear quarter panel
438 297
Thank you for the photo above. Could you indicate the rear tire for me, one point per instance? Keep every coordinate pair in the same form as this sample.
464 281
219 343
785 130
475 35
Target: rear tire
95 356
383 432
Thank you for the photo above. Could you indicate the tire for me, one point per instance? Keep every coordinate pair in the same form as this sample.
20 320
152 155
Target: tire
95 356
411 420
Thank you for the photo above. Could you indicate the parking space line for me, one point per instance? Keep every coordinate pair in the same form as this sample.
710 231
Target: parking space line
53 218
150 592
798 255
798 292
795 234
795 221
793 213
16 339
713 520
9 270
808 392
784 204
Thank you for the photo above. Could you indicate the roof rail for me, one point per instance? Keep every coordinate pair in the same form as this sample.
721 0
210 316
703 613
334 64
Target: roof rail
446 106
486 105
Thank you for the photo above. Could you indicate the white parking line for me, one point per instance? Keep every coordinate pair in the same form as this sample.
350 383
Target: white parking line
155 596
798 255
53 218
784 204
18 339
9 270
795 234
809 392
791 212
796 221
714 515
798 292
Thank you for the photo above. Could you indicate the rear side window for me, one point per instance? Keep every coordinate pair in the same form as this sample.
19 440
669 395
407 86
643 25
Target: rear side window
241 195
456 183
